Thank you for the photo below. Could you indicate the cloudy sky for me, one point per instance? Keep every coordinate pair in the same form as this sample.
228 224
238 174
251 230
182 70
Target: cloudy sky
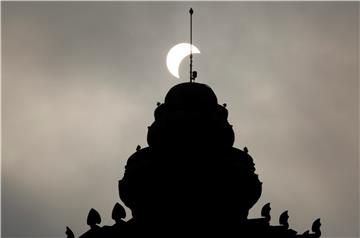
80 82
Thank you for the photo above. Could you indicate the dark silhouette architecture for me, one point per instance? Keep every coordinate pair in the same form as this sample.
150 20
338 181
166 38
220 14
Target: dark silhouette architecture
190 180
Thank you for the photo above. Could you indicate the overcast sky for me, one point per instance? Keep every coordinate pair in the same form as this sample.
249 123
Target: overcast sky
80 82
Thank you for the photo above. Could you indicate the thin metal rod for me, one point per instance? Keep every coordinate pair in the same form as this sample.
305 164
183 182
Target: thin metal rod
191 55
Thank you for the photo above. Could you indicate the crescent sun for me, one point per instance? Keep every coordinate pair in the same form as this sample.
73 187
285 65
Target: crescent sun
176 54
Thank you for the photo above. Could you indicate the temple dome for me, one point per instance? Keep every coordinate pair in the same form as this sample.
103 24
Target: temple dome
191 94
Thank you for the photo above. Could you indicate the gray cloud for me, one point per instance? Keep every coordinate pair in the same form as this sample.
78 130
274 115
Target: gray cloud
81 79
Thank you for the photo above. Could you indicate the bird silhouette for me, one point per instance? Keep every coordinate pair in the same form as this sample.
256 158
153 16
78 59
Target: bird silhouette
283 219
316 227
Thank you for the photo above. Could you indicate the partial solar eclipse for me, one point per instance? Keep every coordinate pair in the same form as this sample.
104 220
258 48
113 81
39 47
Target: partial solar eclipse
176 54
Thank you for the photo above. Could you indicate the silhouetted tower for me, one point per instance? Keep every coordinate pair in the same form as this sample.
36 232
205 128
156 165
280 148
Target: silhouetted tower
190 175
190 180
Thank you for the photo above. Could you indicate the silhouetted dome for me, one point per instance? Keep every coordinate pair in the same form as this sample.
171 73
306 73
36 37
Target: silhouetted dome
191 94
191 117
190 165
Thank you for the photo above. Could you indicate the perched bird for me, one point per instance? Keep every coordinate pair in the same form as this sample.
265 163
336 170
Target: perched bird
263 222
138 148
194 75
283 219
316 228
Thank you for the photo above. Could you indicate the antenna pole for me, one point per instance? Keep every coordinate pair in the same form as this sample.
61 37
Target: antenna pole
191 55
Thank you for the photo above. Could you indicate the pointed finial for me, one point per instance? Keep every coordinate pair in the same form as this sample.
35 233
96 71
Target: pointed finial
118 212
138 148
193 75
246 150
93 217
